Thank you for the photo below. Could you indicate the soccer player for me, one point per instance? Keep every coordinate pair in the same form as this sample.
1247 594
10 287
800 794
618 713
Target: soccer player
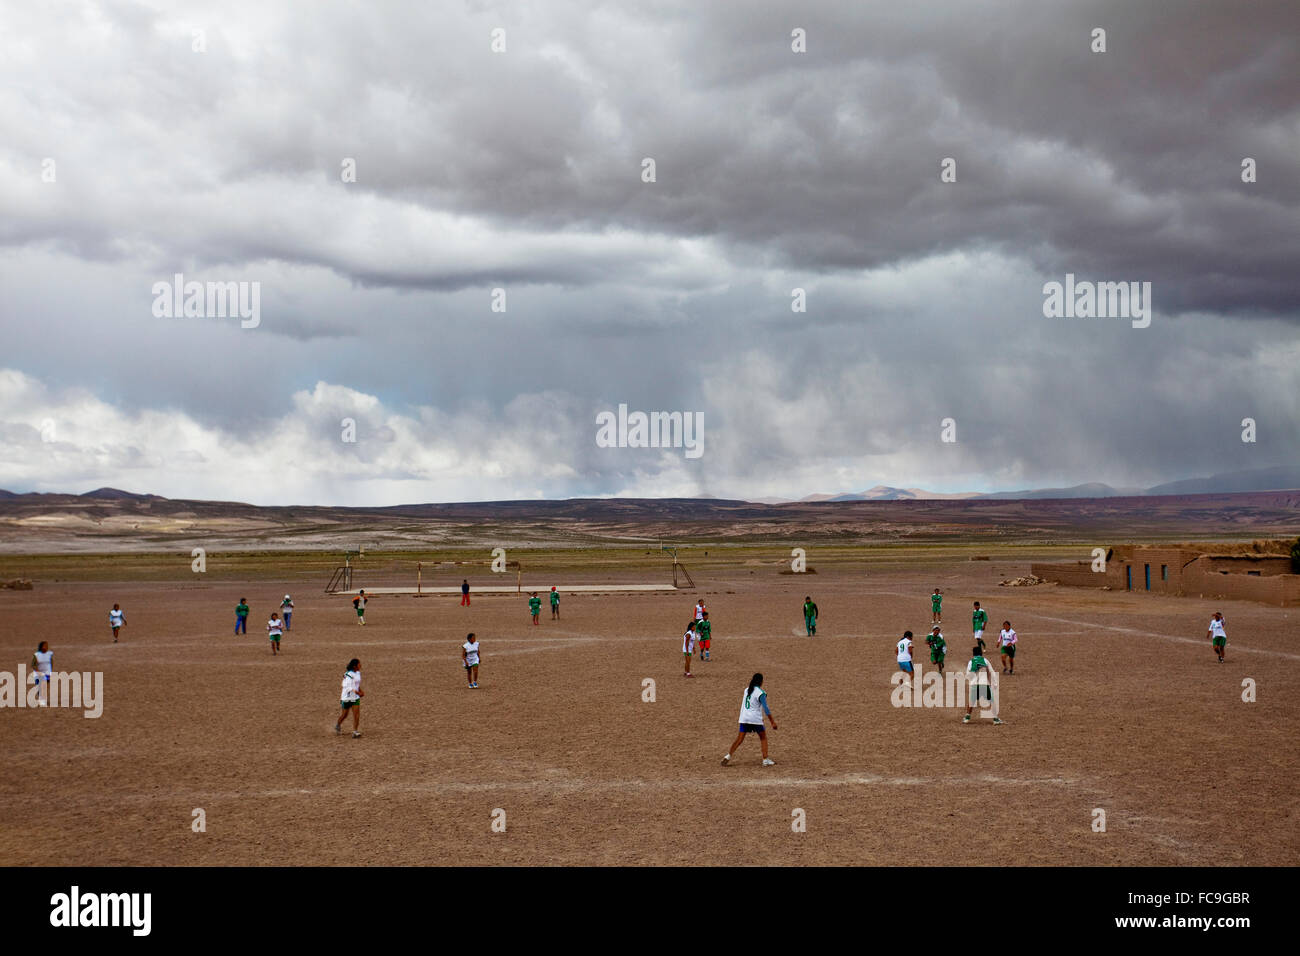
274 628
938 647
464 593
535 607
810 616
979 687
555 604
42 668
359 602
241 616
699 610
116 620
936 603
352 694
704 628
469 654
904 648
753 708
1007 643
978 621
1217 635
688 646
286 610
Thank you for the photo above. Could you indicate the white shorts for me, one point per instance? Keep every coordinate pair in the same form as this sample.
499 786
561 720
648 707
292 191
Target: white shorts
979 635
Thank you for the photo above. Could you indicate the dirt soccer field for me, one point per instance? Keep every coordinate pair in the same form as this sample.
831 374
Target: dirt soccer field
1117 704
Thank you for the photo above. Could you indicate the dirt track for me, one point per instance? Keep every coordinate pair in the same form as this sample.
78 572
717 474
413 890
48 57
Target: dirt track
1117 704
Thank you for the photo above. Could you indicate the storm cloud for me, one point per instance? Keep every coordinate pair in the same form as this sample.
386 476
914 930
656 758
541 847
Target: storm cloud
139 141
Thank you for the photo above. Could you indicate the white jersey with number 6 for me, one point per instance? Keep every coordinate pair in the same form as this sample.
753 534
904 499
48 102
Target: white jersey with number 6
751 706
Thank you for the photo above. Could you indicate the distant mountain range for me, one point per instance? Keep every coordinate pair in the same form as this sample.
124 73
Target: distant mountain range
1281 478
108 520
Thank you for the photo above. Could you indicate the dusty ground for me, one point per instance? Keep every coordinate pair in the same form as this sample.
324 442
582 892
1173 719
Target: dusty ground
1117 704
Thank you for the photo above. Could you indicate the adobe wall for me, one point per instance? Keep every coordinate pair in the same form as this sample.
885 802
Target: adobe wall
1077 574
1243 564
1189 573
1206 578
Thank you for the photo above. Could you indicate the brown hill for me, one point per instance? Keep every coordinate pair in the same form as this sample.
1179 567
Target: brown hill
108 520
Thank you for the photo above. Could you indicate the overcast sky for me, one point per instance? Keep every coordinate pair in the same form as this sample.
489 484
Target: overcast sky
523 170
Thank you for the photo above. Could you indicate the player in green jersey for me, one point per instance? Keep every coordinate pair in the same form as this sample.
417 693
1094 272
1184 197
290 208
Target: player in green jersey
938 647
936 604
704 635
979 674
535 607
810 616
979 620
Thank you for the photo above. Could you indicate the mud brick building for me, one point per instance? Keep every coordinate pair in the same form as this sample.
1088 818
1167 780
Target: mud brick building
1185 572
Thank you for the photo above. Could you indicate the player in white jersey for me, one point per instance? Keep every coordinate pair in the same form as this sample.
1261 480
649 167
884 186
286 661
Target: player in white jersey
42 668
1007 644
116 620
274 630
904 650
753 708
1217 635
469 654
351 699
700 608
688 647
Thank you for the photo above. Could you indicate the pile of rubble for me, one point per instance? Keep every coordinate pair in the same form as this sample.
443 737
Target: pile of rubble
17 584
1029 580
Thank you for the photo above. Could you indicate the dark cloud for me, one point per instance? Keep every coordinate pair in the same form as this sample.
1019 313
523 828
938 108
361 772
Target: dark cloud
775 170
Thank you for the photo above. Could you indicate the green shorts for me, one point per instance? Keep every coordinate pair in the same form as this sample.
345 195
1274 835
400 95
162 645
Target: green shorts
275 637
350 703
361 612
1009 650
936 657
1219 641
934 609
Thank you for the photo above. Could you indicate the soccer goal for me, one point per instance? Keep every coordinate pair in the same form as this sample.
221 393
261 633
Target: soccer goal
681 577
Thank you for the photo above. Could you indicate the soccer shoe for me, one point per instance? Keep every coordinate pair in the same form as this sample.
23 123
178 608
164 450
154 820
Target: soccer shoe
338 729
356 734
997 720
726 759
965 719
769 762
